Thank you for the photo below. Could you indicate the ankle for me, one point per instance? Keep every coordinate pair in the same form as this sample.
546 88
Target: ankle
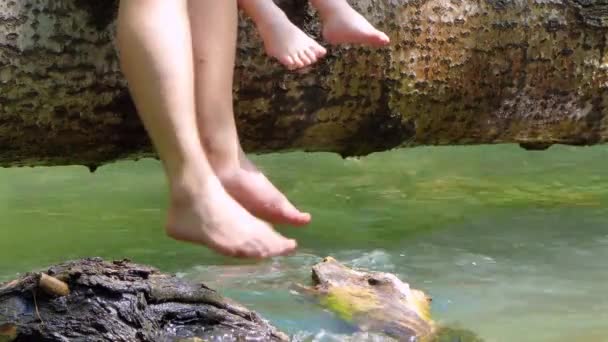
228 175
265 14
223 161
329 8
272 23
190 187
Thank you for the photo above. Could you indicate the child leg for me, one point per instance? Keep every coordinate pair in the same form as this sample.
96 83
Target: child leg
214 25
343 25
282 39
156 56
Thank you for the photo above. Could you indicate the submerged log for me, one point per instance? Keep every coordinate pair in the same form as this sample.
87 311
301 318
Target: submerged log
533 72
121 301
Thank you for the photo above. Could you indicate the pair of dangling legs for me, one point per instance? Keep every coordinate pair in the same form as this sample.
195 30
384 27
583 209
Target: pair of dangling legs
178 58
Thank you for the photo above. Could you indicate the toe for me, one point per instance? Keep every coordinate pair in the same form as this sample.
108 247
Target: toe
304 58
298 63
276 244
237 247
319 51
252 249
289 246
281 211
383 38
379 38
287 61
302 218
386 37
311 55
262 250
226 250
284 246
291 215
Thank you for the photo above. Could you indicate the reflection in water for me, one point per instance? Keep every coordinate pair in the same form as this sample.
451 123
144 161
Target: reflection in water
510 244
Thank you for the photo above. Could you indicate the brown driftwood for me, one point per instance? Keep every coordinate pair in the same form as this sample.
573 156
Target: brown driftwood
533 72
93 300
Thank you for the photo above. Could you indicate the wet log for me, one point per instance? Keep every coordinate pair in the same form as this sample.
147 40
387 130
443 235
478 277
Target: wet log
93 300
533 72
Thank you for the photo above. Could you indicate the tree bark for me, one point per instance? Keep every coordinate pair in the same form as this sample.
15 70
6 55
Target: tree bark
533 72
121 301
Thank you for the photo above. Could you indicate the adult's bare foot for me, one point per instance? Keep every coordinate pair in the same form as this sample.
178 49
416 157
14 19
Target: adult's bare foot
250 187
288 44
207 215
343 25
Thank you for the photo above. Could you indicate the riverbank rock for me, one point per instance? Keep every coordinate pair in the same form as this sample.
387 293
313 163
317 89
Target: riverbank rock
379 302
95 300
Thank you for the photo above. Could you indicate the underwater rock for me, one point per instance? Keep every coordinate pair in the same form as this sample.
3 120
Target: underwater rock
95 300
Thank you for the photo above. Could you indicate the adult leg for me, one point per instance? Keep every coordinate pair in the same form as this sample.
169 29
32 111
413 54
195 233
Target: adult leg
282 39
214 30
343 25
156 56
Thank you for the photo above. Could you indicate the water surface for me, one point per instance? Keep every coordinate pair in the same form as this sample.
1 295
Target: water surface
510 244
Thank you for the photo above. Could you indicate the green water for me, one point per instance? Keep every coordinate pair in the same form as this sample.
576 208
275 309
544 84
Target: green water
511 244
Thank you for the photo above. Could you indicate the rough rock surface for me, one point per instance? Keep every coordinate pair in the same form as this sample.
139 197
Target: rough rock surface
379 302
121 301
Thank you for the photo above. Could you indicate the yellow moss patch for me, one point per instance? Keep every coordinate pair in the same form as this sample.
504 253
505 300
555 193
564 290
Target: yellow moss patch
348 301
421 304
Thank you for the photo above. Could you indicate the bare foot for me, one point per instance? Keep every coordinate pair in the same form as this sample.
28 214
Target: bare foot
344 25
288 44
209 216
256 193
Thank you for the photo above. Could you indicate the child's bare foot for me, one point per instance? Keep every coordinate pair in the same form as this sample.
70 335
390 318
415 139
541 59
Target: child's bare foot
256 193
288 44
343 25
207 215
